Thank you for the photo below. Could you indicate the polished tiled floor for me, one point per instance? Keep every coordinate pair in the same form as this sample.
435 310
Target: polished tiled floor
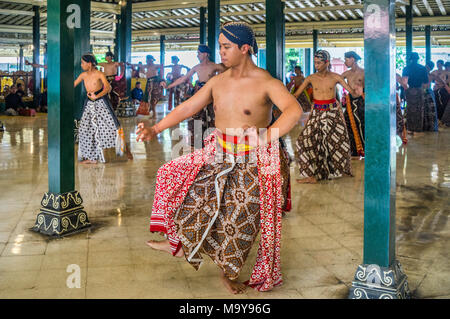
322 241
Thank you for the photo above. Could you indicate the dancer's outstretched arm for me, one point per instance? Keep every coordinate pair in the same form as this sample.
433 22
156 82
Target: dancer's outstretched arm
182 79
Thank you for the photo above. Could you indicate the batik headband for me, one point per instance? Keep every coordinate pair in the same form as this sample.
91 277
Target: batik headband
323 55
240 33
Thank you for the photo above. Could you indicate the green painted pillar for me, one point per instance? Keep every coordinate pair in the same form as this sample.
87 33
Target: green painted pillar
307 61
202 25
275 38
162 53
380 275
45 63
36 48
214 28
61 212
262 58
315 45
409 29
82 46
427 43
124 38
21 57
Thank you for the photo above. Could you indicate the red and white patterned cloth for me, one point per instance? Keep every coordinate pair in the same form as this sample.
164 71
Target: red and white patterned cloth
174 180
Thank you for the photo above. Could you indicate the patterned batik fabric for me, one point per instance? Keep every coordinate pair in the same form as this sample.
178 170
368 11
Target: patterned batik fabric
113 94
414 109
429 112
97 131
153 91
399 117
304 102
442 98
226 234
446 116
357 107
205 120
212 205
323 148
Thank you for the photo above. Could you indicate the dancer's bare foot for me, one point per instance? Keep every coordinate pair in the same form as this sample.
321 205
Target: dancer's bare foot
164 245
233 286
308 180
88 162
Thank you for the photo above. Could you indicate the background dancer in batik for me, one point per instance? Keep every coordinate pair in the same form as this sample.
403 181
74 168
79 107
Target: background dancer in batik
100 135
110 69
304 99
323 148
205 70
416 76
175 93
354 108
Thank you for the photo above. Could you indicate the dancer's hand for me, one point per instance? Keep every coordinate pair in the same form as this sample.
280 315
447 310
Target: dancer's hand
145 133
92 96
164 84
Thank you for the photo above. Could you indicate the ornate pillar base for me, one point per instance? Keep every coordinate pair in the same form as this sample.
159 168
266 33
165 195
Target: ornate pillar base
61 215
375 282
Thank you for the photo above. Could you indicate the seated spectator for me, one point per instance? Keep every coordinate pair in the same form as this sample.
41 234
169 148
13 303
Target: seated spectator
137 93
20 90
13 102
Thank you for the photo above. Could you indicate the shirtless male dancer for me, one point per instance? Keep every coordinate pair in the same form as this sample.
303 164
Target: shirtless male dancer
323 145
174 93
110 69
354 110
153 88
224 225
205 70
440 77
99 125
295 83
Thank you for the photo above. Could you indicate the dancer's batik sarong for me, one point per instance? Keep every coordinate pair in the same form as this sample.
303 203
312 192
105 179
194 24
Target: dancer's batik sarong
429 112
400 122
205 120
414 109
175 94
214 207
99 130
153 91
118 88
442 98
355 124
446 116
323 146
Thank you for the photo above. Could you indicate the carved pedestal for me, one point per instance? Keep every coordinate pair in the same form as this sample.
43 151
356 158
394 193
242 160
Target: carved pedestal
61 215
375 282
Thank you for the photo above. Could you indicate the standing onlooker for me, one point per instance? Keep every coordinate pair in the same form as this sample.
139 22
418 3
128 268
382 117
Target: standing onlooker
414 77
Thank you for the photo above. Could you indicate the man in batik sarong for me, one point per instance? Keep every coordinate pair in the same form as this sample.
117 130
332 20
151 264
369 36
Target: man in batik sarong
110 69
204 119
430 121
400 121
215 200
153 88
323 147
440 78
304 99
100 136
354 108
175 93
416 76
